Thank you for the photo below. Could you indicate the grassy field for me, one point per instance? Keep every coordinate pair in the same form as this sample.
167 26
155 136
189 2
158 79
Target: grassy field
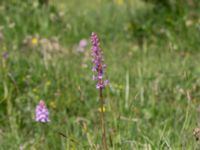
152 57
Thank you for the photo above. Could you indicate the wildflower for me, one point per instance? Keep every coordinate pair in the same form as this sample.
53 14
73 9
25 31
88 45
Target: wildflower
48 83
189 23
34 41
98 66
53 104
119 2
82 45
41 112
35 90
102 109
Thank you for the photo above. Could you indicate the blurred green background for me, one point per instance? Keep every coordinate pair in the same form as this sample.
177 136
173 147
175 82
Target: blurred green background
151 49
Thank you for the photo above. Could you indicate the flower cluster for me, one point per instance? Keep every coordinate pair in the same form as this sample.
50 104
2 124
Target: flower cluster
41 112
97 60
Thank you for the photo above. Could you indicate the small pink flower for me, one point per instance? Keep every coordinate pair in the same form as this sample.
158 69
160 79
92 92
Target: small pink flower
41 112
82 45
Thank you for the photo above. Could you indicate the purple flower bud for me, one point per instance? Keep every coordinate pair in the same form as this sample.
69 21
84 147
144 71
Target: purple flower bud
100 77
41 113
100 85
97 60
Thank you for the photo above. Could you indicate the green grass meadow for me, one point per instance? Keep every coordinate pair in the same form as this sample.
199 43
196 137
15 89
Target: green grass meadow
152 55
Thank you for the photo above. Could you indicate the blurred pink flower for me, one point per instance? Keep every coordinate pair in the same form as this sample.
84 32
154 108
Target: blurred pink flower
82 45
41 112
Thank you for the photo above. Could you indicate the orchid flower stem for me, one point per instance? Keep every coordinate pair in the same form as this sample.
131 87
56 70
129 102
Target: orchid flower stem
102 116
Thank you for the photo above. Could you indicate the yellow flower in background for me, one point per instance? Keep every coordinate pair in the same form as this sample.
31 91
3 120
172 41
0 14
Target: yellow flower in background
189 23
48 83
34 41
119 2
35 90
102 110
52 104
